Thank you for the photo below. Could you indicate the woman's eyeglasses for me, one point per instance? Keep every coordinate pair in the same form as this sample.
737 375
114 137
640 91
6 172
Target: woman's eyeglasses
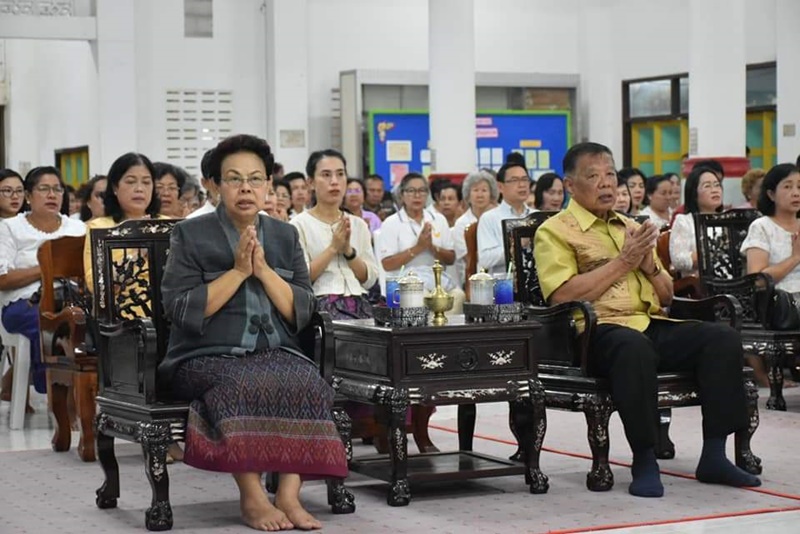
47 189
8 192
236 181
414 192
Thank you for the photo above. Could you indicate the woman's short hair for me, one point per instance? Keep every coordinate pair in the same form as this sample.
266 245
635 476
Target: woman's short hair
316 157
85 194
118 169
771 180
474 178
651 185
35 175
690 189
236 144
411 176
629 172
544 183
162 169
10 173
749 180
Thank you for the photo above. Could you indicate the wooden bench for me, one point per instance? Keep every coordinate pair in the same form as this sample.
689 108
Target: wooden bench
564 356
62 326
128 263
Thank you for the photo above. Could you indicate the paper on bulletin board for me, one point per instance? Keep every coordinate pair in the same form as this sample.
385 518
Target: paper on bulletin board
426 170
398 151
497 156
530 159
425 156
484 156
544 159
397 170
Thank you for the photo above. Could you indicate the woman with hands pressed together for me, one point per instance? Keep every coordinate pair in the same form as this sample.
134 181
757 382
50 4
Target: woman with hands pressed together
237 290
337 245
772 244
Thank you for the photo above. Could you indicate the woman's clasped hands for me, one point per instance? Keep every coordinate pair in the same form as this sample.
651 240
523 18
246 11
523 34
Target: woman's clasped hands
250 259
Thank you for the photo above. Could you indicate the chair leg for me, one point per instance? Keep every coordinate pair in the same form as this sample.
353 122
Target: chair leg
340 499
345 428
155 440
597 410
530 420
108 493
745 458
420 417
85 390
62 435
20 388
399 489
466 426
665 449
774 356
271 482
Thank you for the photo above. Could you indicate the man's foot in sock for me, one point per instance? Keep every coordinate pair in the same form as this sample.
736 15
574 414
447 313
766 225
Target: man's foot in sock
720 470
646 478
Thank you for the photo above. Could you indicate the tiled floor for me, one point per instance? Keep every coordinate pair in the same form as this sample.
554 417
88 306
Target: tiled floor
38 432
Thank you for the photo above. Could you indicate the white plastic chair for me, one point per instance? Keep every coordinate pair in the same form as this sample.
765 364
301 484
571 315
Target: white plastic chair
22 369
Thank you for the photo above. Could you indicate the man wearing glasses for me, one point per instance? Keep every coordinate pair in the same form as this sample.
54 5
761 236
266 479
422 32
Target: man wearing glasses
514 184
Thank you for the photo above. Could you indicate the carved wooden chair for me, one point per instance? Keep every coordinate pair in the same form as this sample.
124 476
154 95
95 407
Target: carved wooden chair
564 355
723 269
128 263
686 286
62 326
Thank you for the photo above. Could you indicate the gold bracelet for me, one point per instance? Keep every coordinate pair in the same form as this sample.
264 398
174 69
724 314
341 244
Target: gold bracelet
655 272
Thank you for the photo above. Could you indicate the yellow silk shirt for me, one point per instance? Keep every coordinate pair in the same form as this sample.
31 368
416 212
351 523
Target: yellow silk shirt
575 242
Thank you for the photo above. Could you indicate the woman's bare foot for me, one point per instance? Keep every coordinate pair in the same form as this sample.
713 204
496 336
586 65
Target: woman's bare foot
296 513
258 513
175 452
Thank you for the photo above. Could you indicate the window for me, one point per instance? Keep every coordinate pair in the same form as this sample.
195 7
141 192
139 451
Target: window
198 18
650 99
196 122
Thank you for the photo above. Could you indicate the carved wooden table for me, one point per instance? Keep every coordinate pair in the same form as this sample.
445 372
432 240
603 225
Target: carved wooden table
458 363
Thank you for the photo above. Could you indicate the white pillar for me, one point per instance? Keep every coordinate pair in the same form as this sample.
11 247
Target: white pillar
717 87
116 75
287 82
787 42
451 86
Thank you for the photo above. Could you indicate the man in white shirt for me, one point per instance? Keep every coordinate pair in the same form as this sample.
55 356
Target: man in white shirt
514 184
212 197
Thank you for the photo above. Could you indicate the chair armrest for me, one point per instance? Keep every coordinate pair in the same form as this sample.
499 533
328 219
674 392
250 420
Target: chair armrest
570 312
717 308
128 354
754 292
324 353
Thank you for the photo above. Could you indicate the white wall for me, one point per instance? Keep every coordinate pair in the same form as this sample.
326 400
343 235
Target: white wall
53 88
51 102
232 60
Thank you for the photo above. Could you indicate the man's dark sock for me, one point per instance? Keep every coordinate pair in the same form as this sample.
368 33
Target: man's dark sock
646 478
715 468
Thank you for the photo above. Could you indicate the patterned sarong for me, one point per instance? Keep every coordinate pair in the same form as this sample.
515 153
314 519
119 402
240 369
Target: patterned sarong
270 411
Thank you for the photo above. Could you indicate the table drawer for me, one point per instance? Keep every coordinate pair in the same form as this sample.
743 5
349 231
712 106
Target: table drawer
456 357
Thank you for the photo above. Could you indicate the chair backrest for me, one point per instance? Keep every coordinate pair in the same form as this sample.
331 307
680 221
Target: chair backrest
662 249
719 237
62 260
639 218
721 265
518 243
128 263
471 260
558 341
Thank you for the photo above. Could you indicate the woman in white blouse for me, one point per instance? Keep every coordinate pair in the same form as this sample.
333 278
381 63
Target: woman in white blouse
337 245
658 190
480 190
20 274
414 237
772 245
702 194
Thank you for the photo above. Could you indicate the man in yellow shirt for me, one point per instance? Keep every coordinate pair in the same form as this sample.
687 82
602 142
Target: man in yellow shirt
589 252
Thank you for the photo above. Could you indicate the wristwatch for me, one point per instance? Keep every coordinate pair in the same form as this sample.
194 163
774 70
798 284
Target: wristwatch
350 256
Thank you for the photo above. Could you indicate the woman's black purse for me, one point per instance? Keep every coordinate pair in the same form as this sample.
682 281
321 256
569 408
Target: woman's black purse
785 311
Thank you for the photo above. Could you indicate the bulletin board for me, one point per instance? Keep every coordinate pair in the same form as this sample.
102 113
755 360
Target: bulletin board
398 141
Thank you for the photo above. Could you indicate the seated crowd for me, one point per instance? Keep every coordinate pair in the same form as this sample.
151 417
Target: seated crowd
259 251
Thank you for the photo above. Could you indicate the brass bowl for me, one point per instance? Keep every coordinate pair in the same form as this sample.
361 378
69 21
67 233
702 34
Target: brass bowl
439 303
